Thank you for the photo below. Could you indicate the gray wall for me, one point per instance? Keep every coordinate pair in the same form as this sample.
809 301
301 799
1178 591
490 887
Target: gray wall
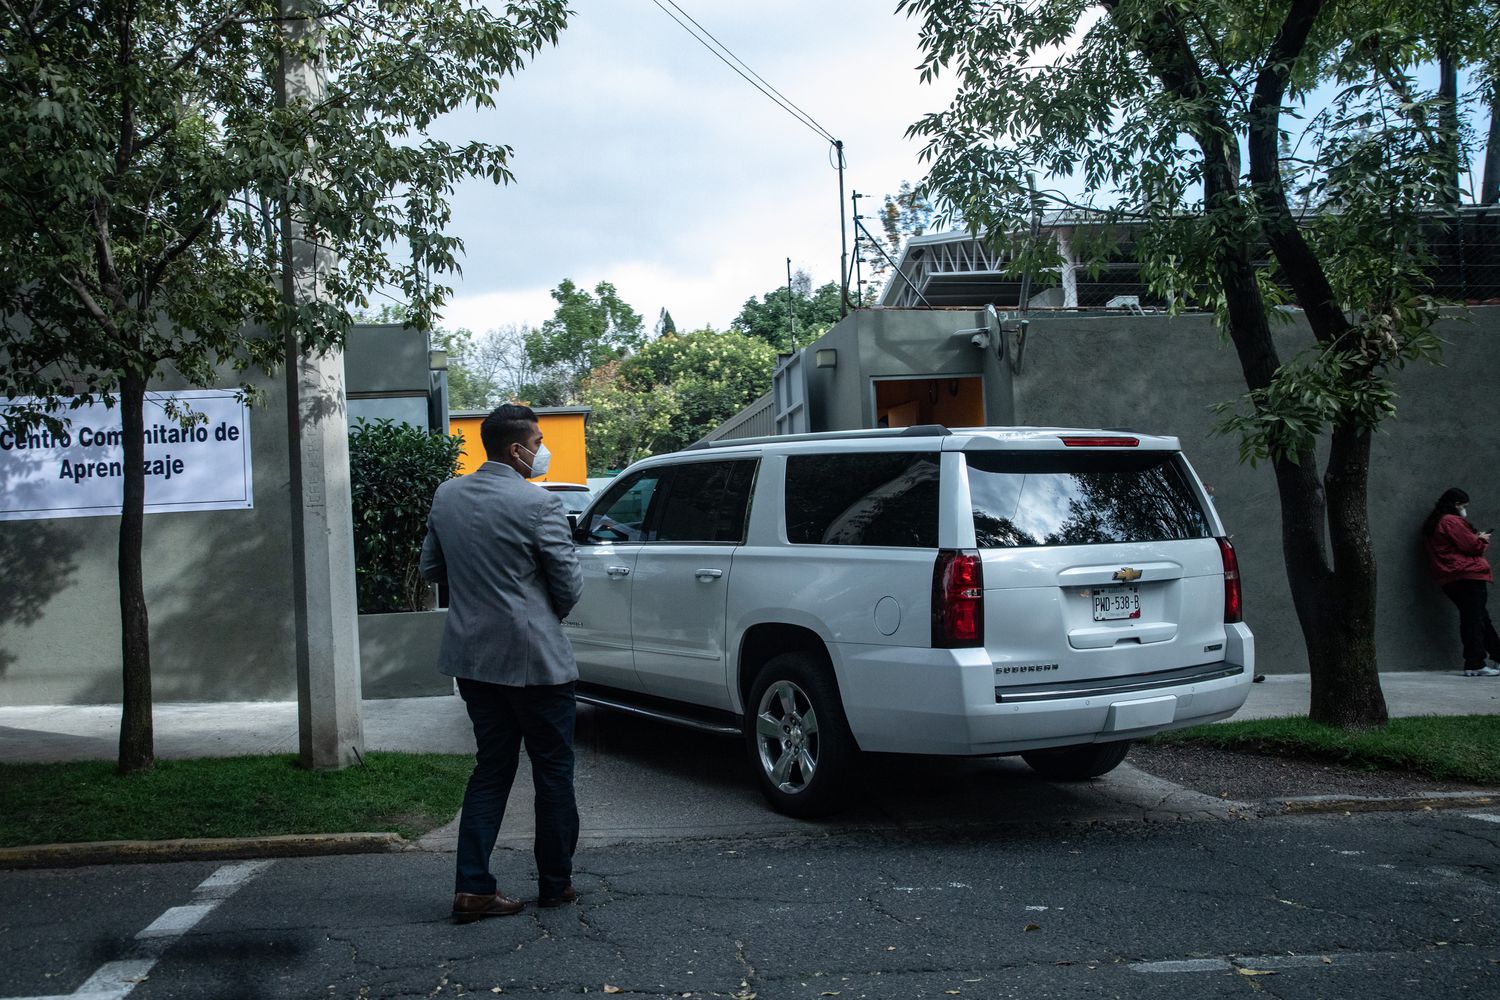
1161 376
218 591
876 343
218 583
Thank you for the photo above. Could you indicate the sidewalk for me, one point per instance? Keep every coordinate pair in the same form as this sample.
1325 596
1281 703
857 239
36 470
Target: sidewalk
43 733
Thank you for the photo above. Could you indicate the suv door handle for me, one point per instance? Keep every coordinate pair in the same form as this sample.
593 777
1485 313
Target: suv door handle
708 574
617 570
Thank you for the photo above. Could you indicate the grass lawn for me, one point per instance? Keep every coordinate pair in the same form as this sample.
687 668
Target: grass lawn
1455 748
410 794
407 794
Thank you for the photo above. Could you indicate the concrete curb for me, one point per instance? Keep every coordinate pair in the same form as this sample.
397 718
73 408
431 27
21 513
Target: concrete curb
123 852
300 845
1406 803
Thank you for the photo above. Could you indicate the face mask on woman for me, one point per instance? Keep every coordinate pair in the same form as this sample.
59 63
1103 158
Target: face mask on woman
1463 511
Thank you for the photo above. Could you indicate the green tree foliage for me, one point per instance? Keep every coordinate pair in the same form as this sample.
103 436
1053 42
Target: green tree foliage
485 370
585 332
627 423
1188 122
665 325
155 158
672 392
811 314
394 470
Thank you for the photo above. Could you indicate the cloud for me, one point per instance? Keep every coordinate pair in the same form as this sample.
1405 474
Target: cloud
643 160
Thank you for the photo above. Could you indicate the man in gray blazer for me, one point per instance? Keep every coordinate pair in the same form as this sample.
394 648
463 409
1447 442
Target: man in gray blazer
503 547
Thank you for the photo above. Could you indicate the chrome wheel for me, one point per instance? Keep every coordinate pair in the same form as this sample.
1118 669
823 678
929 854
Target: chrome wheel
786 737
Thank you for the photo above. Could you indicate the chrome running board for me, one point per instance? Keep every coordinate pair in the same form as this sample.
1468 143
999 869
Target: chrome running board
594 696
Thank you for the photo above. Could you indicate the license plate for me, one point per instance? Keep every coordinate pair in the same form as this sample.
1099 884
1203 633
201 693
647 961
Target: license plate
1113 603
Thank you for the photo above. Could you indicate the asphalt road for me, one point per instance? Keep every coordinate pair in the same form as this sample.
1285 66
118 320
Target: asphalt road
1368 905
640 780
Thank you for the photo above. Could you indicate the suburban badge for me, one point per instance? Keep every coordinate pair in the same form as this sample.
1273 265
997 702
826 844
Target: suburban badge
1127 575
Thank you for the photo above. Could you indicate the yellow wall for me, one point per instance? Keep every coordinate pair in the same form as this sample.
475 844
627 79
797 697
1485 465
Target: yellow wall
563 433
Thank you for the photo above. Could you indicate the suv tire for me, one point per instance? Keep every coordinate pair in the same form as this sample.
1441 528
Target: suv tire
799 741
1077 763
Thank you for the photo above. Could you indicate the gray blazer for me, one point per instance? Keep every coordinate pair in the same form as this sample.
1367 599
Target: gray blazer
502 544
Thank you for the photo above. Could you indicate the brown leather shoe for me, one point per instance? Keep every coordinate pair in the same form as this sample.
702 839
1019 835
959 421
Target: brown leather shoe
563 898
471 906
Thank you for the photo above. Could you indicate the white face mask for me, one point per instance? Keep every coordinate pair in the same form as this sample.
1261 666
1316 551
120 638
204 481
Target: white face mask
540 460
1463 512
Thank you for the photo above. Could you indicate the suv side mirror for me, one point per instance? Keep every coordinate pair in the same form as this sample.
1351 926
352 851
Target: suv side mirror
573 523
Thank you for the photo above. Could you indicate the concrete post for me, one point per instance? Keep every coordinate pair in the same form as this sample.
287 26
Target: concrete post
330 728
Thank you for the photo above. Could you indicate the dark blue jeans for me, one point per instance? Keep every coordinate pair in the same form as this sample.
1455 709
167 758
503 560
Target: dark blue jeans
503 717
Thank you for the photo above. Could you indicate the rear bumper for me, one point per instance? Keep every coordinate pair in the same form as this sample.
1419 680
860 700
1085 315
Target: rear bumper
944 701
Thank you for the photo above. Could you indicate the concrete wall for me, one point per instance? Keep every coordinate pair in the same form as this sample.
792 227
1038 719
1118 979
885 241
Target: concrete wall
1162 376
218 583
882 343
398 655
218 591
386 358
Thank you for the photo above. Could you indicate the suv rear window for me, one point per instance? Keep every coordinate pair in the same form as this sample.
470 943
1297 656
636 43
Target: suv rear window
1029 498
864 498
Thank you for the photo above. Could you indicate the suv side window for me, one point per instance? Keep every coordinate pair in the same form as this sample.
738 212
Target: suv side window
707 502
623 514
863 498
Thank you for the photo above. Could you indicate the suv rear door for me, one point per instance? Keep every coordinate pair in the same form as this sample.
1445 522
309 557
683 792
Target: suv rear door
1098 563
682 581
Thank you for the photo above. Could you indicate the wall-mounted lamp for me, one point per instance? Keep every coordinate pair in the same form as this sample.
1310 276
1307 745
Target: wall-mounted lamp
437 361
826 357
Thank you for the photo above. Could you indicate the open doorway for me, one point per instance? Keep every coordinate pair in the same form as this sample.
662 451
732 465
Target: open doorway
953 401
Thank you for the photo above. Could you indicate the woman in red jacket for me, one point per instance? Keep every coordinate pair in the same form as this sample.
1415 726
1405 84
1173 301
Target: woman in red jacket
1455 554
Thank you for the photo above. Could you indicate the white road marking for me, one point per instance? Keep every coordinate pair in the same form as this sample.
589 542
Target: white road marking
115 980
1284 961
229 878
177 921
1259 963
1487 817
1184 965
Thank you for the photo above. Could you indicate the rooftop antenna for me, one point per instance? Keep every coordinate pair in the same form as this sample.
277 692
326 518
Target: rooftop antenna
859 281
838 146
861 227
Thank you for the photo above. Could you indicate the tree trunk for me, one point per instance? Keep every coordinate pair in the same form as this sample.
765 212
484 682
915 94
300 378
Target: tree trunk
1335 604
1346 680
137 750
1448 119
1489 192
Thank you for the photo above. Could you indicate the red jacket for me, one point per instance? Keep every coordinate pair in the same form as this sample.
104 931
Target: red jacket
1455 552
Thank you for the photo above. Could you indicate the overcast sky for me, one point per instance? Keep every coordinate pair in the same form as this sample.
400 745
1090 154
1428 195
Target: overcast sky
642 160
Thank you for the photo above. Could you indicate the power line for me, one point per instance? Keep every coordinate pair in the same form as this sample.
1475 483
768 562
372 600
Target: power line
723 53
787 101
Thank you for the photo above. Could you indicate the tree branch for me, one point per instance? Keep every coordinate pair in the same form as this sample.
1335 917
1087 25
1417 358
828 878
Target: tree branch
1301 266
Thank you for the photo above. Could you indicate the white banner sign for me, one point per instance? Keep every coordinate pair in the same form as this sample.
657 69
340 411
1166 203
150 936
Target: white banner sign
81 473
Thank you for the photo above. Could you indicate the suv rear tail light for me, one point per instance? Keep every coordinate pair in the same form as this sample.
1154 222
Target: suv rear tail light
1101 442
957 599
1233 609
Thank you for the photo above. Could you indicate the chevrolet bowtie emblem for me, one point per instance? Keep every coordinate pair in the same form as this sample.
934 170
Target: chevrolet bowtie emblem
1127 575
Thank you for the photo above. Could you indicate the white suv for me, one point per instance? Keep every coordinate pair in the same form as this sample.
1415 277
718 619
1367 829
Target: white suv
1047 592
